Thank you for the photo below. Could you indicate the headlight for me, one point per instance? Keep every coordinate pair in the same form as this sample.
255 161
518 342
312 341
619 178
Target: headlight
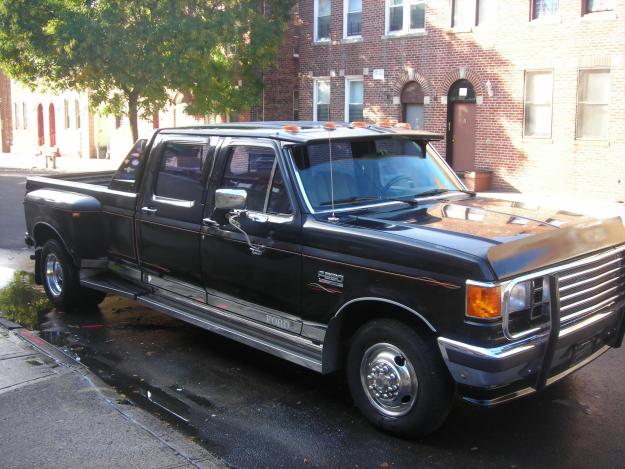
519 298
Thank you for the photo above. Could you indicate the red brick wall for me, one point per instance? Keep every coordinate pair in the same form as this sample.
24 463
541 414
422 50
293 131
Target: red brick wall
499 55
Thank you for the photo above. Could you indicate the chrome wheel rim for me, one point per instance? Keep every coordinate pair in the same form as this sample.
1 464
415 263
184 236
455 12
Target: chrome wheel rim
389 380
54 275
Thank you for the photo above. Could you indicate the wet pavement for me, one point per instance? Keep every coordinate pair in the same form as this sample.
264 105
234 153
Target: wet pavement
253 410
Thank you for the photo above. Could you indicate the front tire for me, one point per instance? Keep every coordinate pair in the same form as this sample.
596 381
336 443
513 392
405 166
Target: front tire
398 379
61 281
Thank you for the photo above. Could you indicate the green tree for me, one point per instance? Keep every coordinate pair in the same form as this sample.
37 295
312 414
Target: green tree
130 53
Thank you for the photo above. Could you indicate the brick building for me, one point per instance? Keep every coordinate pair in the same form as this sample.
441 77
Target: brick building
529 89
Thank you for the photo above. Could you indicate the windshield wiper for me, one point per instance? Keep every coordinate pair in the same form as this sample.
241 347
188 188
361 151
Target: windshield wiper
348 200
439 191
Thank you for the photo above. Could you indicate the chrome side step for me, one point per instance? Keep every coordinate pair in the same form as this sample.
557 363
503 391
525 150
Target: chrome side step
280 343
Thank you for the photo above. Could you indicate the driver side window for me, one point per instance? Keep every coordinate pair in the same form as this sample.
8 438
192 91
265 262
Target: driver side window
255 169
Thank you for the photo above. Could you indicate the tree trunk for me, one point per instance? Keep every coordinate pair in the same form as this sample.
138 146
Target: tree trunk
133 98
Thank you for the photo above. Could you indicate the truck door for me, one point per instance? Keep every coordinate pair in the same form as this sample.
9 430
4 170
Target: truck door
170 211
262 283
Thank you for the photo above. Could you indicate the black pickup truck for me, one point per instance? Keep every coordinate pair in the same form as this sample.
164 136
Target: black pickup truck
346 246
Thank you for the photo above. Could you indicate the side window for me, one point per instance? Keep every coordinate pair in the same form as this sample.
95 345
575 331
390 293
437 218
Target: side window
180 170
251 168
130 166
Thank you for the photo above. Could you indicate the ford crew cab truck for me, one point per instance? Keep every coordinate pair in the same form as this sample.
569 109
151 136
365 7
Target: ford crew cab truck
345 246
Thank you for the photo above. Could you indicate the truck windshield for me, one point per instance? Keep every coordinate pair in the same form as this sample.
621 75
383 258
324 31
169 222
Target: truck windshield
369 171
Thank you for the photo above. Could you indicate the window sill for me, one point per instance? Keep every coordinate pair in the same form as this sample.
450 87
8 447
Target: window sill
528 139
322 42
405 35
599 16
461 30
556 19
351 39
582 142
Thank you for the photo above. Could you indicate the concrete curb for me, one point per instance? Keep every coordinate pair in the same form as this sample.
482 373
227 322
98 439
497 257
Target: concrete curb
193 454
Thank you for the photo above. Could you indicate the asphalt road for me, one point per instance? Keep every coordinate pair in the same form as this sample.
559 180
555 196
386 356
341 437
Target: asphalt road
254 410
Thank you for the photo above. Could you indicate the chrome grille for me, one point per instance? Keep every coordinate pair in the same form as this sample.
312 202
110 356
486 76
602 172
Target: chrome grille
588 288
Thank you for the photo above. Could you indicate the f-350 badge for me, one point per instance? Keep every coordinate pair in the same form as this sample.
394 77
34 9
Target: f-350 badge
329 278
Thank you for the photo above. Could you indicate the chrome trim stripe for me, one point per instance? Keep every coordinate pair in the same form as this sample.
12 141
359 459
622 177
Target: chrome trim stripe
82 185
587 271
173 202
267 341
588 280
384 300
504 351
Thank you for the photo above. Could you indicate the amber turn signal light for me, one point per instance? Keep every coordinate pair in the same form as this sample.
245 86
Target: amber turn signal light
483 302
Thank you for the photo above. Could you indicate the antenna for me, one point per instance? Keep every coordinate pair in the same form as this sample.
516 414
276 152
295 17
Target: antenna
330 126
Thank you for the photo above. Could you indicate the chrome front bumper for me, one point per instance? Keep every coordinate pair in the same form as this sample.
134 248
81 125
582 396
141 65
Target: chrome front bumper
489 376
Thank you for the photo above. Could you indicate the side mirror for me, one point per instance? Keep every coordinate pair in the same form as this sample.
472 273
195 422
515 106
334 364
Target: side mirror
227 200
230 199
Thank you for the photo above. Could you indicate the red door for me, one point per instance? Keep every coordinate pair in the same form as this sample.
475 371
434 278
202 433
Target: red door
40 135
52 125
463 137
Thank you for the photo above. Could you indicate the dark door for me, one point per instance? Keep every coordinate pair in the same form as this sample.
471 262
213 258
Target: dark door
52 122
461 126
264 283
40 133
463 137
170 213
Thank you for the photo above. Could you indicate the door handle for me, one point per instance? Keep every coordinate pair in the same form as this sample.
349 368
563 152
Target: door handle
149 210
209 222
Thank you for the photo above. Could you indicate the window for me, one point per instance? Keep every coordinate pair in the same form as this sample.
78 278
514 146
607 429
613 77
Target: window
469 13
24 116
544 9
593 95
321 98
180 171
538 96
404 16
17 116
252 168
77 113
412 104
353 18
130 166
66 113
322 20
295 104
593 6
354 93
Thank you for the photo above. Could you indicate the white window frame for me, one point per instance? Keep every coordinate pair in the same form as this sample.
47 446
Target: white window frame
345 12
316 23
577 104
348 80
314 103
406 18
540 70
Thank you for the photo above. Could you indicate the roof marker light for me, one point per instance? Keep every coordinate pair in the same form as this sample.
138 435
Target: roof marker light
329 125
359 124
384 124
403 125
291 128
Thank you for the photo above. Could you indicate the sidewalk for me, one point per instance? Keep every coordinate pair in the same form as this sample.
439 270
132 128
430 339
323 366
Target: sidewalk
55 413
64 164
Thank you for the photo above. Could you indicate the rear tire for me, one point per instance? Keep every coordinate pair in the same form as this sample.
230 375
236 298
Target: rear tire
61 280
398 379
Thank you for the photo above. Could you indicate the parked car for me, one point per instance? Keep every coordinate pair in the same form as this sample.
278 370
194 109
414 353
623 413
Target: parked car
339 247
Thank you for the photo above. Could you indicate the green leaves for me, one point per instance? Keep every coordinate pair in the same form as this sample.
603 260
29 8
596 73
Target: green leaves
212 51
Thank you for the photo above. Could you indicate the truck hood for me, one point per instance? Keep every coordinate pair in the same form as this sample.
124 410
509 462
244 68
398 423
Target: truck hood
513 237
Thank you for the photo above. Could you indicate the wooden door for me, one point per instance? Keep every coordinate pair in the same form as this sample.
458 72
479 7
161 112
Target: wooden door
463 136
40 133
52 120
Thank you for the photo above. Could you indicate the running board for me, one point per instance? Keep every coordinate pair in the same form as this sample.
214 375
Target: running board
283 344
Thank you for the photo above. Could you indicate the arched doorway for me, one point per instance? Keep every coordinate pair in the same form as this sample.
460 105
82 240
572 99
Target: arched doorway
52 124
412 105
461 126
40 134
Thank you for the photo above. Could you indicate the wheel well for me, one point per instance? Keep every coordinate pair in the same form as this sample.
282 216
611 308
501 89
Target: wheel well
43 232
343 327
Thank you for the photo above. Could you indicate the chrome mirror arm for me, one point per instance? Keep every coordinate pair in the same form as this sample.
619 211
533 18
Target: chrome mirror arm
255 249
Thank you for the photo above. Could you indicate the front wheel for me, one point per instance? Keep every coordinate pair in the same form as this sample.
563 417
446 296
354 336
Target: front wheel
397 378
61 280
